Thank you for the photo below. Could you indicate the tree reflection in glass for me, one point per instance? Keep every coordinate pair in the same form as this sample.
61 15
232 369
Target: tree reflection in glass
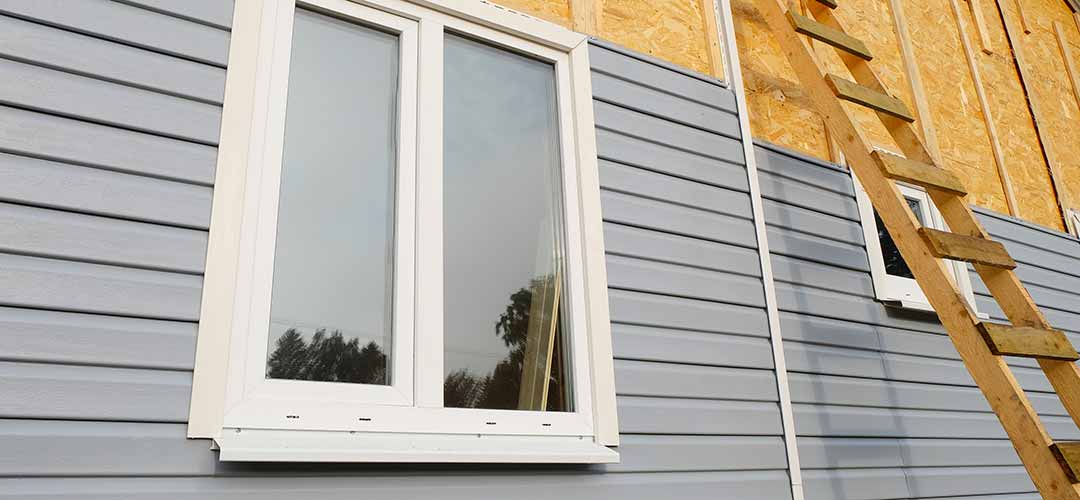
330 313
504 321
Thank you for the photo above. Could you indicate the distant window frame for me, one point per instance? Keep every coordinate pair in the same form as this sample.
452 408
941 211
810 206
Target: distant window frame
249 422
898 291
1073 222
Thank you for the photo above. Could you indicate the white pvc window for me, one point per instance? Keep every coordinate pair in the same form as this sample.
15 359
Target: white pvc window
414 271
894 284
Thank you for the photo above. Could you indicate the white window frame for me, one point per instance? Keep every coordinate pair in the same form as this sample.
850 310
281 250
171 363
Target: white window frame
1073 222
253 418
898 291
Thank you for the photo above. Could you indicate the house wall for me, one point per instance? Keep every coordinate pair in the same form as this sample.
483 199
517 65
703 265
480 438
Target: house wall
108 128
883 406
109 120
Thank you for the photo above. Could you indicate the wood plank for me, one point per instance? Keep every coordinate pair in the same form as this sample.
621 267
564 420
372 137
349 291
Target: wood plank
1023 17
920 174
1068 454
954 246
712 35
850 91
1070 65
980 26
924 116
585 16
1012 32
834 37
1028 342
984 103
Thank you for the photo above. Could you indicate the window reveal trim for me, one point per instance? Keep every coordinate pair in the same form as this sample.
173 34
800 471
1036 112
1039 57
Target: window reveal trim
251 91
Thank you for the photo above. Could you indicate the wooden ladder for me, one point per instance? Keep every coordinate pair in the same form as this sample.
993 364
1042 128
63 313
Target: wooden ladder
1053 467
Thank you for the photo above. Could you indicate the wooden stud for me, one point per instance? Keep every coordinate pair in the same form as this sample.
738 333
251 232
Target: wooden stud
923 115
712 34
980 25
836 38
1070 66
990 372
1023 17
953 246
920 174
585 16
865 96
1068 454
1028 342
988 118
1056 178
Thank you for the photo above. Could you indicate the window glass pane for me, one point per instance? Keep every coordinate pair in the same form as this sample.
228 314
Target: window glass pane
504 321
894 263
330 317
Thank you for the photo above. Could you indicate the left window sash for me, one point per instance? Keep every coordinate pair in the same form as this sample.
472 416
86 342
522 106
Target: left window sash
248 383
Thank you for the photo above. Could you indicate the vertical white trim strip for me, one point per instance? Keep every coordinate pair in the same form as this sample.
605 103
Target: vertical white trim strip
606 421
429 222
219 282
787 415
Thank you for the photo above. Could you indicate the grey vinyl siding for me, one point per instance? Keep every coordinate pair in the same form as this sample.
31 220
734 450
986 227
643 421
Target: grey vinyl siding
109 119
883 406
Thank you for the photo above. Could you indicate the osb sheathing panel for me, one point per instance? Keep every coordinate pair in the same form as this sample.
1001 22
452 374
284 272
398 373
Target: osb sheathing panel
1048 83
781 114
954 103
779 110
556 11
673 30
1023 155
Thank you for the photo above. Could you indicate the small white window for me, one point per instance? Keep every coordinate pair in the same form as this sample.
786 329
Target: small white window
406 260
894 284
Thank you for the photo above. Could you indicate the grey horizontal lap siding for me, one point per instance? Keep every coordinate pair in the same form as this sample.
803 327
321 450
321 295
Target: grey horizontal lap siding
109 119
883 406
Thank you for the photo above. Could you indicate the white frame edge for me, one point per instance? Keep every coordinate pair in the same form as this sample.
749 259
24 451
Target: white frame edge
733 70
237 145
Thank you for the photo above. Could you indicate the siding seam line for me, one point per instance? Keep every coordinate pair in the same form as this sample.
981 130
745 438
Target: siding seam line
726 26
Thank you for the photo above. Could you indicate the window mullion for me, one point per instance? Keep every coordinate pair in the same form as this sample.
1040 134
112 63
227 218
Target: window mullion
429 262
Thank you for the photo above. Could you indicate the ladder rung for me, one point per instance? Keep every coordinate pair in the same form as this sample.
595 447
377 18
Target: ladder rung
1068 454
920 174
829 3
865 96
834 37
1028 342
967 248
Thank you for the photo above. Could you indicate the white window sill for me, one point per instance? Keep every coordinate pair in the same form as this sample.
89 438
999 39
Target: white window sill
919 306
257 445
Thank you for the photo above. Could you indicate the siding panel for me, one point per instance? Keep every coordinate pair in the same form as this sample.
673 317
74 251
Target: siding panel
86 55
131 25
105 175
883 407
